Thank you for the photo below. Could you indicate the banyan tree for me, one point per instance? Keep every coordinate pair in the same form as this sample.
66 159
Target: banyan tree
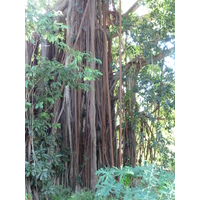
73 51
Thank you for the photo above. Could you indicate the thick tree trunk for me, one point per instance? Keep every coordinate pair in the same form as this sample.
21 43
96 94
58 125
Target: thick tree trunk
28 52
46 49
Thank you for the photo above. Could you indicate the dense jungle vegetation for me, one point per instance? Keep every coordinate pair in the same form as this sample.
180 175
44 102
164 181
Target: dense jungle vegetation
99 100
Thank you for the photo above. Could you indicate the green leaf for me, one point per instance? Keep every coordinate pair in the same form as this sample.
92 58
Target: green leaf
27 105
39 105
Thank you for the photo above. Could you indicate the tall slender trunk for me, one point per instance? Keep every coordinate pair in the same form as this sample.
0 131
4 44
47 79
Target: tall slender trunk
120 92
92 97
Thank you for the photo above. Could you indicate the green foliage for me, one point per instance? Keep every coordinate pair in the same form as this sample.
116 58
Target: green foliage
156 95
87 195
157 86
43 22
83 195
60 193
139 183
27 196
89 74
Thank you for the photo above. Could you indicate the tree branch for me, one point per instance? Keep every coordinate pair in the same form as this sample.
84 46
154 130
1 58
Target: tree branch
141 62
156 58
61 5
133 8
143 114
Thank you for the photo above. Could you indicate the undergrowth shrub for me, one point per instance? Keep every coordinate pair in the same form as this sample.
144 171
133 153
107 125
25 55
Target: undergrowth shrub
83 195
60 193
88 195
149 181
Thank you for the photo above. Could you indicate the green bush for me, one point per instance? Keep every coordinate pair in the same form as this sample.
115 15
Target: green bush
61 193
142 182
83 195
